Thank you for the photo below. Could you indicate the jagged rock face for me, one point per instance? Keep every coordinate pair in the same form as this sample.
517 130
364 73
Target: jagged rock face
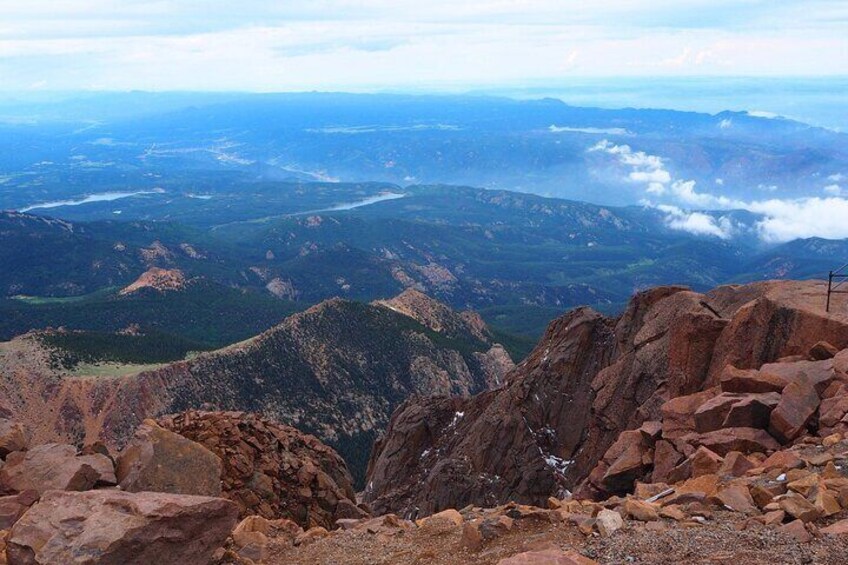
589 379
337 370
273 470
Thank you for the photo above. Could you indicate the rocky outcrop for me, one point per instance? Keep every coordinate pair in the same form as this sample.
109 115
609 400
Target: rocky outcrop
113 527
159 460
591 378
162 280
272 470
55 467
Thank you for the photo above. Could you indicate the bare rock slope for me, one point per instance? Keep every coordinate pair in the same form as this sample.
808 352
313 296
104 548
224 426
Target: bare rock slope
592 378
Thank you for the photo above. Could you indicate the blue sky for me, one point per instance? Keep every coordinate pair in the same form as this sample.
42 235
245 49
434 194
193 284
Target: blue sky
434 44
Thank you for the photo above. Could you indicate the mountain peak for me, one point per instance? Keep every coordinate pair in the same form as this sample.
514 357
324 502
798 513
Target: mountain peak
163 280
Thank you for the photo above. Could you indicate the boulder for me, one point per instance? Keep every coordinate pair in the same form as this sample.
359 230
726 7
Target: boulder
640 510
734 410
822 350
13 507
750 381
678 414
159 460
250 538
735 464
797 530
705 462
744 440
54 466
737 498
13 437
114 527
608 521
799 507
547 557
839 528
796 408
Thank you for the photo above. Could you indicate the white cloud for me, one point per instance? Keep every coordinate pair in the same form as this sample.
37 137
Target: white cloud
698 223
809 217
645 168
369 44
837 177
833 189
726 123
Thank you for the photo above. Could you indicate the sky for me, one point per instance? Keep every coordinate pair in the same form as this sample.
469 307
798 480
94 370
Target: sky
264 45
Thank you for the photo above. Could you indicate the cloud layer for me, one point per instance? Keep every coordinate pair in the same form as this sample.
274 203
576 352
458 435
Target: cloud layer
683 203
341 44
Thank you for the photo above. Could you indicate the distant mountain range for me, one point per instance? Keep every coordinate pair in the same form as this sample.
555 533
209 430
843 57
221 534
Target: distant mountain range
517 258
142 141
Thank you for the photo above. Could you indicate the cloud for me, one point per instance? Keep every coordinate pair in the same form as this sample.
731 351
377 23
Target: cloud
833 189
837 177
726 123
786 220
645 168
368 45
698 223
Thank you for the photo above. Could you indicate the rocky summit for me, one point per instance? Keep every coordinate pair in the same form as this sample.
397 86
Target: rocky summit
693 428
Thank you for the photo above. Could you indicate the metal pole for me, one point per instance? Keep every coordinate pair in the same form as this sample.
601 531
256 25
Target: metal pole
829 282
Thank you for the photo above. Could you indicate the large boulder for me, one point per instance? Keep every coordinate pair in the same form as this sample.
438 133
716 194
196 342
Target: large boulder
272 470
13 437
113 527
159 460
798 404
54 466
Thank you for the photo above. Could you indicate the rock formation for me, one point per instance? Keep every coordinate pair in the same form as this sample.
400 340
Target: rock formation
561 415
272 470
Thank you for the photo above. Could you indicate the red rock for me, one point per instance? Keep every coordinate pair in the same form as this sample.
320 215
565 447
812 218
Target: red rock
821 351
705 462
799 507
735 464
311 536
797 530
108 526
158 460
640 510
13 507
666 458
752 411
839 528
833 410
819 374
783 461
750 381
744 440
272 470
678 414
13 437
798 404
53 466
733 410
738 499
547 557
